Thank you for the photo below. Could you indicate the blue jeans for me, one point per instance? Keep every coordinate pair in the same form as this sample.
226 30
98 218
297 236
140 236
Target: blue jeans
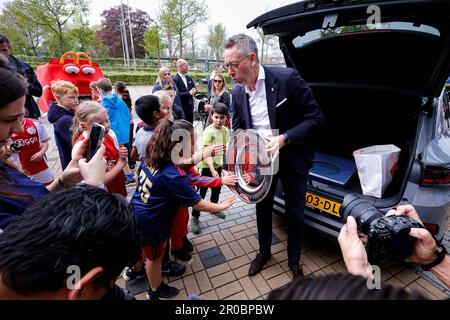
294 186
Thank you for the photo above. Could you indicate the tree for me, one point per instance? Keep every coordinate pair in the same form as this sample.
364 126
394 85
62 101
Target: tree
153 42
169 36
192 41
109 32
53 16
216 39
178 16
82 36
266 41
25 35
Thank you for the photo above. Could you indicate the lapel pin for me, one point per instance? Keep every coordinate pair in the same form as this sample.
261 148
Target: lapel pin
273 89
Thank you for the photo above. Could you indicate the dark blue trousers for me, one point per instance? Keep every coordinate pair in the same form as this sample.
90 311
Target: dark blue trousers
294 186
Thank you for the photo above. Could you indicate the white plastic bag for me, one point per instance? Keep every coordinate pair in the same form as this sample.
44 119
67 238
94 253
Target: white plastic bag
376 166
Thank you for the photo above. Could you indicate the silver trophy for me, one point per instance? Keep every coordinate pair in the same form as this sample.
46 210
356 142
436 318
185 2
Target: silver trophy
248 159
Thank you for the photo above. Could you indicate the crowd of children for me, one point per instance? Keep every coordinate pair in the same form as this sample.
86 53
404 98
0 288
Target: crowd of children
163 146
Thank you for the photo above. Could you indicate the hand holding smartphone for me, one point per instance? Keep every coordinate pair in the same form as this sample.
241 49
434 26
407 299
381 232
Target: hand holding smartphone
95 140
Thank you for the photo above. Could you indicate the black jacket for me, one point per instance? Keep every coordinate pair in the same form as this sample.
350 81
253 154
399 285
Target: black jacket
62 121
187 102
34 87
299 115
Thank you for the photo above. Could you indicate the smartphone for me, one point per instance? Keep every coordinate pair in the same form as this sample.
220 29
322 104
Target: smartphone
16 147
95 139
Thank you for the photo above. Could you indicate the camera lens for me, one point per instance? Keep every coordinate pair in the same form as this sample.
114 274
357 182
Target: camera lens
364 213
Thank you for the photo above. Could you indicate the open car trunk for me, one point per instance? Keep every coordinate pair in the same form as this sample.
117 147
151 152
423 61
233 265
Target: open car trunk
369 85
372 81
361 117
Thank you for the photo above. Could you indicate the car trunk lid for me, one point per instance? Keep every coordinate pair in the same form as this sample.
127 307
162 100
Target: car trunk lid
411 55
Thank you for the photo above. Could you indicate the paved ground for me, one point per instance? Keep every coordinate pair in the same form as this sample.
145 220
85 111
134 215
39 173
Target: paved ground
225 248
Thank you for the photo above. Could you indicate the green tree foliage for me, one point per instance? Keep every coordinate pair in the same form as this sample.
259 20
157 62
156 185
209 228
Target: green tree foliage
22 32
216 39
177 18
54 17
168 33
153 43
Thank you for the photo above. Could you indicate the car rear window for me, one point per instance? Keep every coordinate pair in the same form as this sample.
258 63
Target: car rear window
311 36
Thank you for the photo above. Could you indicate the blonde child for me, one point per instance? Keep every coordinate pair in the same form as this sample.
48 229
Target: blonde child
87 113
60 114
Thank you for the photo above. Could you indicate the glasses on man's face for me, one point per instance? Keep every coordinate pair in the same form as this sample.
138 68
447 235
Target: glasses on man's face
235 65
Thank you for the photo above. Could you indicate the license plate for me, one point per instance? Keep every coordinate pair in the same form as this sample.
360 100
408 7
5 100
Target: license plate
323 204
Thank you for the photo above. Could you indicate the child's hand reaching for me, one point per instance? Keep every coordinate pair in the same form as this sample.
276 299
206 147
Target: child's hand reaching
230 179
123 152
215 174
217 149
228 202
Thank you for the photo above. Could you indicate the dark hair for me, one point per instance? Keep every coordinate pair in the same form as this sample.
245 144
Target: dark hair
339 286
12 84
104 84
4 39
145 106
127 99
12 87
220 108
159 148
82 226
120 86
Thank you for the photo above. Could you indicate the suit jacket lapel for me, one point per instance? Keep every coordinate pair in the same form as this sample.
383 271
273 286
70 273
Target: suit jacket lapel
271 96
181 81
246 109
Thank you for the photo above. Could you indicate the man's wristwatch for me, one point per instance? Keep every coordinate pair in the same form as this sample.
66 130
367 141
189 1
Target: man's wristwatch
286 138
441 252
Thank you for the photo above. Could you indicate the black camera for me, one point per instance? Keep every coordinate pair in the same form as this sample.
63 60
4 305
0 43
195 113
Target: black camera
388 237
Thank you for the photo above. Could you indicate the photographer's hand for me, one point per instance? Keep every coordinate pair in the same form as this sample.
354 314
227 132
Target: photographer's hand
424 251
353 251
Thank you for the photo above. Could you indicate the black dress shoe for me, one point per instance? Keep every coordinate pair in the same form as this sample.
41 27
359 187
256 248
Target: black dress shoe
297 271
257 264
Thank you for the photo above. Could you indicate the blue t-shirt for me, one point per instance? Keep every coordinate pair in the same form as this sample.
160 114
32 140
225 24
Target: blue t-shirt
157 198
119 117
11 208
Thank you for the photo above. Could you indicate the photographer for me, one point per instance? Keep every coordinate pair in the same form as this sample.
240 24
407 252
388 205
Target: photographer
33 86
426 252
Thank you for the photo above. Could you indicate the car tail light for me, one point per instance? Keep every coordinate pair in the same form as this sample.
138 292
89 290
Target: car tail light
433 175
433 228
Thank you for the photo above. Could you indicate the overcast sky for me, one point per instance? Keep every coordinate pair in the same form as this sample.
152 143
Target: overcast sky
233 14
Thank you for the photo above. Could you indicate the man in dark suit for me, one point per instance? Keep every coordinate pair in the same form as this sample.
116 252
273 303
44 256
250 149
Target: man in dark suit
267 99
186 89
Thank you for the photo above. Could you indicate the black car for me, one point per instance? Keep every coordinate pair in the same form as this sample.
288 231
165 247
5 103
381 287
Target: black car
377 69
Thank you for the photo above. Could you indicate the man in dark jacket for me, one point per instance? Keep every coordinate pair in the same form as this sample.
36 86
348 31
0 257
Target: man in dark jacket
268 99
186 89
34 87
